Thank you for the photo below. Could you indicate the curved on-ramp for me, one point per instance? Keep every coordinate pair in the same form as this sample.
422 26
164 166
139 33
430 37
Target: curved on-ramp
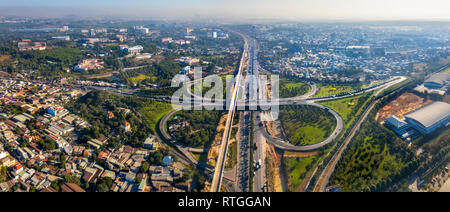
285 145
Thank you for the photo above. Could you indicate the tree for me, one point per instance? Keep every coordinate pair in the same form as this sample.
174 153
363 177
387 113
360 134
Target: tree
104 184
144 167
3 174
155 158
69 178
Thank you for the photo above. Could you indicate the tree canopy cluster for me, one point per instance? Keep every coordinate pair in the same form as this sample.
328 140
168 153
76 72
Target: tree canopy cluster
94 108
201 129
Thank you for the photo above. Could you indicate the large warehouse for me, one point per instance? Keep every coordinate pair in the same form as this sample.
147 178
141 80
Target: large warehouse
438 81
429 118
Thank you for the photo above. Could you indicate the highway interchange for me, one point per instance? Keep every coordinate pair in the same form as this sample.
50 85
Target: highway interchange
242 95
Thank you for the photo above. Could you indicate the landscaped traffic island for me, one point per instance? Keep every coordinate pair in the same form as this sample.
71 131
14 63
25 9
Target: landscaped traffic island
306 125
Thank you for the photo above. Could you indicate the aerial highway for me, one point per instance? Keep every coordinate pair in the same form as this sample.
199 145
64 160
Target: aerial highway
220 163
256 87
241 95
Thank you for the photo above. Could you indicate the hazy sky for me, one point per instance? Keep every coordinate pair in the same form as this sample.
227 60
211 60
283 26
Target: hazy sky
234 9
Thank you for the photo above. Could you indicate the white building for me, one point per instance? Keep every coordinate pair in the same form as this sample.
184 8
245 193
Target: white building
429 118
134 50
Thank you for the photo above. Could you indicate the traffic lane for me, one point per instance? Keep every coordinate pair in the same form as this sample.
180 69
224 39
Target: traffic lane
259 158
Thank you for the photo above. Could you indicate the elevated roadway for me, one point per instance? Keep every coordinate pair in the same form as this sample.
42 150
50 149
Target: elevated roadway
220 164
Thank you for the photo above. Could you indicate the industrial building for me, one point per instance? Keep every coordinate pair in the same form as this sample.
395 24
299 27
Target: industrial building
429 118
399 126
438 81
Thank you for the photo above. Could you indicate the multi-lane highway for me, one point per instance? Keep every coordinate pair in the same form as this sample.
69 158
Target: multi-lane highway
255 96
259 162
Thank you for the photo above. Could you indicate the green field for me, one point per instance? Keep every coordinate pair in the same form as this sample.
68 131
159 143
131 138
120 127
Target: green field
306 125
447 71
141 77
347 107
232 156
327 89
206 89
154 112
297 169
290 88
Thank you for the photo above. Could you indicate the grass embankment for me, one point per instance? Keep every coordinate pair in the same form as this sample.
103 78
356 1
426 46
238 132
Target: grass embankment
141 77
153 112
447 71
397 86
306 125
297 169
231 156
291 88
348 108
331 89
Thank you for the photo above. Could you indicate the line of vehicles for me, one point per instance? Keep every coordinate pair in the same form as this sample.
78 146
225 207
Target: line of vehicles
355 91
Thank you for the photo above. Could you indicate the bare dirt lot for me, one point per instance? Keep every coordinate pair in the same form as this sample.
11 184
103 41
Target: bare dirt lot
274 170
405 103
215 146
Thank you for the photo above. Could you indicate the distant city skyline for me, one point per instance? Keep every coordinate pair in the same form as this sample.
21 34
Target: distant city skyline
234 9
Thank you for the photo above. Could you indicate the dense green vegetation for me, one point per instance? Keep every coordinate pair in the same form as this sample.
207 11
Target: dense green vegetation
68 178
291 88
374 158
435 145
3 174
49 63
94 106
103 184
46 143
201 129
297 170
306 125
155 158
168 91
